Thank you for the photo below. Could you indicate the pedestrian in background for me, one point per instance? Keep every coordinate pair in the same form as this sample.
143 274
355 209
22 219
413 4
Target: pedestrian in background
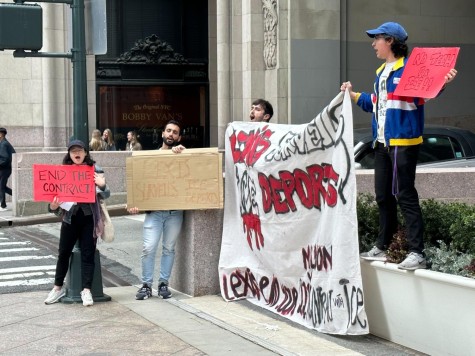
6 152
109 140
97 143
80 222
157 223
133 143
398 125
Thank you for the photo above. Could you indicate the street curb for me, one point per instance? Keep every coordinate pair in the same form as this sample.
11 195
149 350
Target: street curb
9 221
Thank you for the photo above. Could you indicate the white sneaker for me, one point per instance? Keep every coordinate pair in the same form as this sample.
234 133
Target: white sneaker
413 261
375 254
4 209
54 296
86 297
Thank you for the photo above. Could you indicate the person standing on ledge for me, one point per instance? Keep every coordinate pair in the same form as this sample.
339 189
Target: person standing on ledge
398 124
156 223
6 152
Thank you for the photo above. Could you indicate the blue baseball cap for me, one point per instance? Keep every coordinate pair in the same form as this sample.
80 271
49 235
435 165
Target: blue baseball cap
392 29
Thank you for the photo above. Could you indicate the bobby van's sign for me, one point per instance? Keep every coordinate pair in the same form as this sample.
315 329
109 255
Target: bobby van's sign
290 237
70 183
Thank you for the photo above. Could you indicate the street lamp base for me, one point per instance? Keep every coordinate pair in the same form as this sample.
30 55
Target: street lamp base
74 280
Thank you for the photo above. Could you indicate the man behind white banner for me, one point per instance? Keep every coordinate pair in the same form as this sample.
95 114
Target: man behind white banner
290 236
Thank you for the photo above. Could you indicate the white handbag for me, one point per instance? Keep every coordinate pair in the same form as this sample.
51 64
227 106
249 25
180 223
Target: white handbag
108 234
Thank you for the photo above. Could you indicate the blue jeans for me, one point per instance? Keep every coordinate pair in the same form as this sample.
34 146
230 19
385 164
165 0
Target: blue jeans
169 223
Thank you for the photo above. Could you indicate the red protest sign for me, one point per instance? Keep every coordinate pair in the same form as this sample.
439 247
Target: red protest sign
71 183
424 75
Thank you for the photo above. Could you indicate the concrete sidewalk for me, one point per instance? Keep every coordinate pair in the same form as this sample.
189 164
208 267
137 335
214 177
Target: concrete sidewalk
180 325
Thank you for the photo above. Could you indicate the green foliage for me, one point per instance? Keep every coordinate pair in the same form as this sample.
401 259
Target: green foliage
368 221
452 223
437 220
447 260
449 234
462 232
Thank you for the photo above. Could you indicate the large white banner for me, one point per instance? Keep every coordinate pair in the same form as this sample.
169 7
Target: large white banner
290 237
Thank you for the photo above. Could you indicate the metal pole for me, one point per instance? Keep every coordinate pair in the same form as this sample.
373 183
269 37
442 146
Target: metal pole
80 131
80 117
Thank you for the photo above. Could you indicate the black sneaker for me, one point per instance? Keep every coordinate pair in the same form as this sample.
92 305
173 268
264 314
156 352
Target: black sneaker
163 291
144 293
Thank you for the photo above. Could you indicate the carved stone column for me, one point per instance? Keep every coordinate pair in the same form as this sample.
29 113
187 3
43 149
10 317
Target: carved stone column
56 79
270 32
224 102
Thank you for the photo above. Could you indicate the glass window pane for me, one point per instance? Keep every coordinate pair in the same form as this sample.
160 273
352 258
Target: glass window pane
436 148
146 110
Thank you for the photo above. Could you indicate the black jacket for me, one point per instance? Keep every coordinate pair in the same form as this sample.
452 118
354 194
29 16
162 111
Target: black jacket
6 151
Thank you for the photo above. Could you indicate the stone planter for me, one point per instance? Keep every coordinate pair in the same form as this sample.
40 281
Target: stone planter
428 311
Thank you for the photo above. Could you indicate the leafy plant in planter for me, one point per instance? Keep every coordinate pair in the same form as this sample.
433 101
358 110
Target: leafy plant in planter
368 221
447 260
397 250
449 234
437 221
452 223
471 268
463 232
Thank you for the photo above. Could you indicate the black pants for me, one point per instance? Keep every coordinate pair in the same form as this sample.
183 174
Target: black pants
407 197
5 173
81 228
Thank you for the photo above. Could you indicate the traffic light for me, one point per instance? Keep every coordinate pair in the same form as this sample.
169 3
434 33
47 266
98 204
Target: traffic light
21 26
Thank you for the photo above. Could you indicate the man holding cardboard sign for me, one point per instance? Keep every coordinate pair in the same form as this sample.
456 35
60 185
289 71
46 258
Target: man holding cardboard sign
398 124
156 223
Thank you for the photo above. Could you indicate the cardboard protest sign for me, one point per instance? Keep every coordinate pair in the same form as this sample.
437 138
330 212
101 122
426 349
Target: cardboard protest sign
71 183
424 75
290 231
163 180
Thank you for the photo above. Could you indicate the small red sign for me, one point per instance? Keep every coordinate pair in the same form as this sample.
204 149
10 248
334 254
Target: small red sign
424 75
71 183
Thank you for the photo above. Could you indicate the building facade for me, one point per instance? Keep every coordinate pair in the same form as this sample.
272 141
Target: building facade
204 62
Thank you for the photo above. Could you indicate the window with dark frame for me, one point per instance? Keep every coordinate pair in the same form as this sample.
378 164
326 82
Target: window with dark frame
141 97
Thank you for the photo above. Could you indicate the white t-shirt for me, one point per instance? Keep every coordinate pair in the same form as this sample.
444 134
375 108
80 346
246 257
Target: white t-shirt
382 100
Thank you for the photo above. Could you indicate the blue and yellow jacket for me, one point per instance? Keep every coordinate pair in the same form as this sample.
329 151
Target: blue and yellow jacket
404 123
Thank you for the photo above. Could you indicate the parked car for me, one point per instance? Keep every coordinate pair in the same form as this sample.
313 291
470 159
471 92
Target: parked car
441 143
468 162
